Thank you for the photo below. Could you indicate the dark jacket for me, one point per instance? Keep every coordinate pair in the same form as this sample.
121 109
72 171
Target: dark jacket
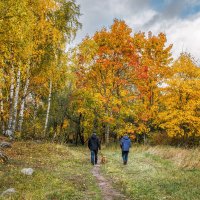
93 143
125 143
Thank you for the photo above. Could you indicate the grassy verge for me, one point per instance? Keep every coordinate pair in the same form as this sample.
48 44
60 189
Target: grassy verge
151 175
60 173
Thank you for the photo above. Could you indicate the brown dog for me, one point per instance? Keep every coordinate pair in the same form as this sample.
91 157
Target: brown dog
103 159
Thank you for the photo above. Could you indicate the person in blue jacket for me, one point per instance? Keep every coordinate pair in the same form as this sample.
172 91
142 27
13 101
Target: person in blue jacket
125 144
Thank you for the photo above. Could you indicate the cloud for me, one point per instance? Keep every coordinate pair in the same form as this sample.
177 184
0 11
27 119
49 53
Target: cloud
174 9
184 35
98 14
179 19
138 21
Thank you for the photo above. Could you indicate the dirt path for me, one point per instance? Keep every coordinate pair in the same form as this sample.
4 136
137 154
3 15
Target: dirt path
108 192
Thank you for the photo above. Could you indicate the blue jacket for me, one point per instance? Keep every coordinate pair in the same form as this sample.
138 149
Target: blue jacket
125 143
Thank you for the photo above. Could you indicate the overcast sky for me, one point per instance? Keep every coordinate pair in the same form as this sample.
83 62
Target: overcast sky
179 19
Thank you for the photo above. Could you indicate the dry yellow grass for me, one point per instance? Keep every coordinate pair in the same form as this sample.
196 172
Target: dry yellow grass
183 158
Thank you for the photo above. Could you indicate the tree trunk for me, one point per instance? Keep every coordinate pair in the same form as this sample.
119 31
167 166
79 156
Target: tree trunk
21 113
77 136
34 113
107 133
55 128
107 128
151 96
11 100
95 121
48 108
2 112
80 130
16 101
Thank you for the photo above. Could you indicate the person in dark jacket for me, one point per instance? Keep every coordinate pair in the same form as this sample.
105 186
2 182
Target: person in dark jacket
94 146
125 144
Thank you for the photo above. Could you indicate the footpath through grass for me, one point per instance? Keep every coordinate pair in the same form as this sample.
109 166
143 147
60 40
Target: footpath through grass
148 176
60 173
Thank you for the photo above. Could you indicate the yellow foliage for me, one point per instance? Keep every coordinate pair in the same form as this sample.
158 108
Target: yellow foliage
65 123
181 100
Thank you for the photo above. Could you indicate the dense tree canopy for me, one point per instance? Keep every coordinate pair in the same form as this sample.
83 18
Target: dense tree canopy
33 38
113 82
126 83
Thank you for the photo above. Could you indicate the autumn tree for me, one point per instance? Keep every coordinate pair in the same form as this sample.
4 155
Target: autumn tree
180 100
151 73
106 74
33 35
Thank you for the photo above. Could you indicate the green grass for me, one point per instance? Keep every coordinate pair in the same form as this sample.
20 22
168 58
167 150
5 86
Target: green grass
60 173
151 177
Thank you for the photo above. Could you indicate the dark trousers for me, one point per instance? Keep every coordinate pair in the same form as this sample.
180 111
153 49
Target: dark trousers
125 156
94 156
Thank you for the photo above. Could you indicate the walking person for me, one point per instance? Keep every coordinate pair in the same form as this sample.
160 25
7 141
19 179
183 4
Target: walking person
125 145
94 146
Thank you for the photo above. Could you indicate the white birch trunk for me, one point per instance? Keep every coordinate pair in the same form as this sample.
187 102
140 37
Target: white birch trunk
11 100
16 98
21 112
48 108
2 112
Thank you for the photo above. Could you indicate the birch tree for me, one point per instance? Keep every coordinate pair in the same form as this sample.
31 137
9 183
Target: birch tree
10 120
16 99
2 112
22 107
48 107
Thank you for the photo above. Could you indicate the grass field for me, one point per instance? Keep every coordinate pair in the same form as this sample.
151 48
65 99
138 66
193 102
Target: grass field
60 173
63 172
155 173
